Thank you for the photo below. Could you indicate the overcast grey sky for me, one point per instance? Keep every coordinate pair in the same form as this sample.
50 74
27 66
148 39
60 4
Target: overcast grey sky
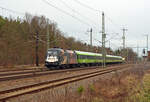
131 14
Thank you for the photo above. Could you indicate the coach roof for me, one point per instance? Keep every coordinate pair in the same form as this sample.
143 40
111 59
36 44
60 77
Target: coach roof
95 54
88 53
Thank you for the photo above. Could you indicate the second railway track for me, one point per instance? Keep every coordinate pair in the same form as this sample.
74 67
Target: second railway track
6 94
36 73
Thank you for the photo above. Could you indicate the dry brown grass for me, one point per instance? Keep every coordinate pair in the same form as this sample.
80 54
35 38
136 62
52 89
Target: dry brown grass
118 88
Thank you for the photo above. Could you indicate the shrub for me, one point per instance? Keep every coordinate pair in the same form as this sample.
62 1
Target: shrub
80 89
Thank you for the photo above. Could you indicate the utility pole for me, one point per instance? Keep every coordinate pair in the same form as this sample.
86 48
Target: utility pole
36 48
103 41
47 34
137 53
109 44
147 42
91 37
53 28
123 38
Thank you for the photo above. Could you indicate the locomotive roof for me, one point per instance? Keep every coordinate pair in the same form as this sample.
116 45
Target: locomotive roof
55 49
113 56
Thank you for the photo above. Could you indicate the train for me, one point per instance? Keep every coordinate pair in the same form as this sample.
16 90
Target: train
58 57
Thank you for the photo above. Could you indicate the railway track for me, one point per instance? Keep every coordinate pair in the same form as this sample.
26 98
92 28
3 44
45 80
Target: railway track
36 73
20 69
21 72
7 94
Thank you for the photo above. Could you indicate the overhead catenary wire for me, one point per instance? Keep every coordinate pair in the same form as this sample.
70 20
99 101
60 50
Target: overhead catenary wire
113 37
82 4
115 45
114 32
93 9
115 24
66 13
63 11
63 2
94 38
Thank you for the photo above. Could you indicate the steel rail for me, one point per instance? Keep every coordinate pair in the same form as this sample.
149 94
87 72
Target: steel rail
21 69
38 73
21 72
41 73
32 68
4 95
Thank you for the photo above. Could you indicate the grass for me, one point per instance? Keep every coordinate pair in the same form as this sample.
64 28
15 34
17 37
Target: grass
80 89
120 87
145 92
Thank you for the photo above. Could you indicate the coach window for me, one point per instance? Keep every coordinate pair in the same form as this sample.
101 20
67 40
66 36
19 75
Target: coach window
78 56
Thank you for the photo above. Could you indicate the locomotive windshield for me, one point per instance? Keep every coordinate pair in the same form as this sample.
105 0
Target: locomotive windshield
52 53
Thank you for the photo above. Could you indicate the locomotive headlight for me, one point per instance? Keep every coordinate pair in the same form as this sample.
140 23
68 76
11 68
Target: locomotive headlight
52 59
123 59
55 58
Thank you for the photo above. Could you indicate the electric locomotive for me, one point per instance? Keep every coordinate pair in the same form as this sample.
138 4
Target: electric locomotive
59 57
